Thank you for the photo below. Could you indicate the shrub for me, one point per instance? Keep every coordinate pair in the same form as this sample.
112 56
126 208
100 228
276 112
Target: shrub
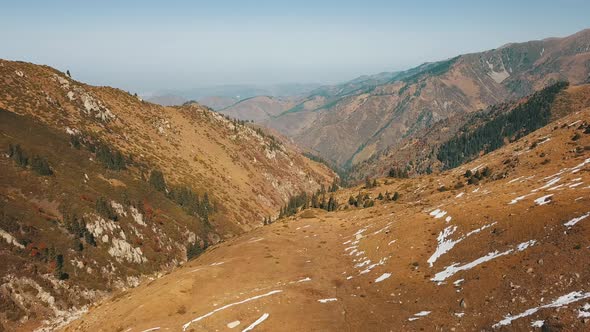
111 159
157 180
41 166
193 251
17 154
397 173
105 209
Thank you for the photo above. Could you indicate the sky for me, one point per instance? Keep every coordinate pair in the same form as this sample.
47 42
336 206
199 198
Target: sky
144 46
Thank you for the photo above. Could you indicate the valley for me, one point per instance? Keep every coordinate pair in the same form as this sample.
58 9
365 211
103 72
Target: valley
101 189
374 116
451 196
509 253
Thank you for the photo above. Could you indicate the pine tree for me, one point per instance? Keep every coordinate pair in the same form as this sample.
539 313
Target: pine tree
41 166
332 204
17 154
105 209
334 186
157 180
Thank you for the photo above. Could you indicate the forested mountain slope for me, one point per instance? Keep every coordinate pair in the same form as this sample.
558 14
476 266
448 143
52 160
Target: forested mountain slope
464 137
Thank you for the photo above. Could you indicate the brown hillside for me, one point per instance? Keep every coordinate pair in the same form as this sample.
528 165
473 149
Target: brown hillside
350 123
509 253
82 210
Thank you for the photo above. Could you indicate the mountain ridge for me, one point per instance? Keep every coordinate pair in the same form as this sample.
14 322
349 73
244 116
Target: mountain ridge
102 189
419 97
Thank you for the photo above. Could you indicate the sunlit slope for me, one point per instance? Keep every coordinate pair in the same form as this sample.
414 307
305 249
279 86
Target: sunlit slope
507 253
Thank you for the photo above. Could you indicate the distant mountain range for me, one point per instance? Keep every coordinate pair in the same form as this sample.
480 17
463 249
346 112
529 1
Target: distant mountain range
349 123
222 96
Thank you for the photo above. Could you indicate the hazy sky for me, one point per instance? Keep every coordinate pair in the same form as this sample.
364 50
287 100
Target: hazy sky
148 45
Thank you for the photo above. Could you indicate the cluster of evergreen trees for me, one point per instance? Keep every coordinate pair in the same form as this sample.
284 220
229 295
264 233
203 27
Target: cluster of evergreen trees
365 201
321 199
191 203
370 183
395 172
183 196
38 164
475 177
77 227
111 158
59 268
50 256
274 143
194 250
493 134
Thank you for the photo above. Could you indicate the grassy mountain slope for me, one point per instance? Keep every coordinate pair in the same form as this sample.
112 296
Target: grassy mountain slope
100 189
500 255
354 126
478 133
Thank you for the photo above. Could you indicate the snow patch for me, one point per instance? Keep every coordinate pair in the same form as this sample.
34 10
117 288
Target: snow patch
519 198
186 326
258 321
584 311
548 184
453 269
574 221
333 299
559 302
445 244
543 200
383 277
233 324
418 315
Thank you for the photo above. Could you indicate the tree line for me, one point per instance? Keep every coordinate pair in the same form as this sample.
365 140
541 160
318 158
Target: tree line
495 132
184 196
38 164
